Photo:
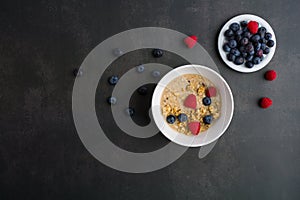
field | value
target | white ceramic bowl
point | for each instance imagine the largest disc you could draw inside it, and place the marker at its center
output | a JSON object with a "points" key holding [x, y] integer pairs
{"points": [[243, 68], [218, 127]]}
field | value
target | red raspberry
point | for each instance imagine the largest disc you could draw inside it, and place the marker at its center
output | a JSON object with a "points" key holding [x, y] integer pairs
{"points": [[211, 92], [253, 27], [194, 127], [270, 75], [190, 101], [191, 41], [265, 102]]}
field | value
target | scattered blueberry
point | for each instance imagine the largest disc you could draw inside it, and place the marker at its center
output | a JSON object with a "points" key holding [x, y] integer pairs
{"points": [[157, 53], [77, 72], [226, 48], [112, 100], [206, 101], [118, 52], [228, 33], [129, 111], [270, 43], [171, 119], [234, 27], [239, 60], [182, 117], [249, 64], [230, 57], [143, 90], [207, 119], [140, 68], [232, 43], [268, 36], [256, 60], [113, 80], [156, 73], [243, 23]]}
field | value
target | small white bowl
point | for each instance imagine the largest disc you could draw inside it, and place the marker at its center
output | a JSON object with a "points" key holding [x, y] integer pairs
{"points": [[218, 127], [243, 68]]}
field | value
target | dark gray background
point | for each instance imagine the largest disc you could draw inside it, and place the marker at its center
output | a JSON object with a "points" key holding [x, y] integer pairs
{"points": [[41, 156]]}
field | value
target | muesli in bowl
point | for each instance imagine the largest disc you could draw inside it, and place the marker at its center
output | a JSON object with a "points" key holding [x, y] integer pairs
{"points": [[190, 104]]}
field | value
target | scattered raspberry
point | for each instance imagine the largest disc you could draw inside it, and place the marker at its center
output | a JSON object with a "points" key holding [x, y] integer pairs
{"points": [[194, 127], [211, 92], [270, 75], [190, 101], [191, 41], [265, 102], [253, 27]]}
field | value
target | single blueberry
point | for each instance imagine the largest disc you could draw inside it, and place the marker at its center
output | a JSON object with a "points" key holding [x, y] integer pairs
{"points": [[112, 100], [206, 101], [207, 119], [156, 73], [232, 43], [259, 53], [243, 23], [113, 80], [228, 33], [129, 111], [226, 48], [244, 41], [140, 68], [256, 60], [235, 52], [230, 57], [247, 34], [182, 117], [239, 32], [249, 48], [255, 38], [249, 64], [157, 53], [239, 60], [268, 36], [270, 43], [267, 50], [263, 46], [252, 52], [171, 119], [142, 90], [234, 27], [257, 46], [118, 52], [262, 31]]}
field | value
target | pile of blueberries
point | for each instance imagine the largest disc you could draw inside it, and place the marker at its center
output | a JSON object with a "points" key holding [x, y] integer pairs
{"points": [[243, 47]]}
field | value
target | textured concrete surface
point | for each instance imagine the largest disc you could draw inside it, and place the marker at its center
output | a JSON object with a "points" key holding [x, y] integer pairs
{"points": [[41, 156]]}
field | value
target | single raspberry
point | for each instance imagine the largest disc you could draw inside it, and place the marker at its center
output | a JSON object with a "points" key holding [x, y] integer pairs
{"points": [[211, 92], [270, 75], [190, 101], [194, 127], [265, 102], [191, 41], [253, 27]]}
